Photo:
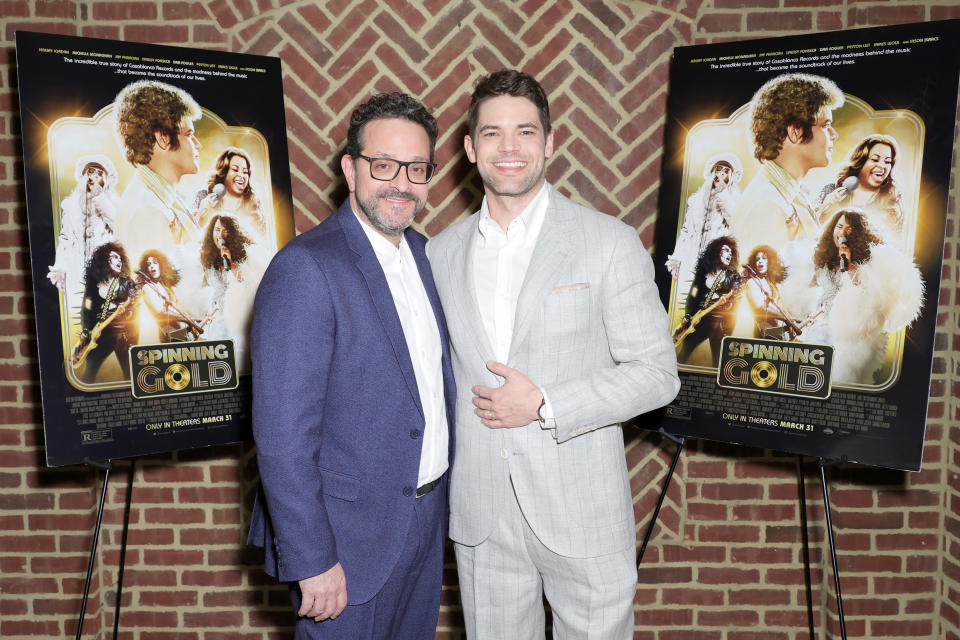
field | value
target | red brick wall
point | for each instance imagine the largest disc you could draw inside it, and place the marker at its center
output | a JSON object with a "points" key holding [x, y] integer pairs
{"points": [[725, 562]]}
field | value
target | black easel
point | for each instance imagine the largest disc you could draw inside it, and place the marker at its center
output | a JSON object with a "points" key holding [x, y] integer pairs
{"points": [[823, 464], [802, 493], [123, 549], [680, 441], [833, 548], [107, 467]]}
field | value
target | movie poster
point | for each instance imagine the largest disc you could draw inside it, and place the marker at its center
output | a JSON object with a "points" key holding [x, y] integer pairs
{"points": [[158, 189], [800, 238]]}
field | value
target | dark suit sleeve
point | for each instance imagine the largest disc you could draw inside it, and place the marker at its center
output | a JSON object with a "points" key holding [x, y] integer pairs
{"points": [[292, 344]]}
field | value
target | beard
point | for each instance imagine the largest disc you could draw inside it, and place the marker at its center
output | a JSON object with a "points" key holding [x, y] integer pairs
{"points": [[370, 207]]}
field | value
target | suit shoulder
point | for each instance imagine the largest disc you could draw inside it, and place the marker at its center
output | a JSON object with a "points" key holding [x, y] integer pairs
{"points": [[450, 235], [602, 223], [325, 236], [323, 243]]}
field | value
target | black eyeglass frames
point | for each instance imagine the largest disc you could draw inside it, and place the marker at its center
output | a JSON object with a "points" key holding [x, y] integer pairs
{"points": [[386, 169]]}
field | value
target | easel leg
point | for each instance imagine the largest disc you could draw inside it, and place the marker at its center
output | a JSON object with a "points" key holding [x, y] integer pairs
{"points": [[123, 549], [833, 547], [806, 544], [663, 494], [106, 466]]}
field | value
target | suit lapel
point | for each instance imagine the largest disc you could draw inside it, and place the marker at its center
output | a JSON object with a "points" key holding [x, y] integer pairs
{"points": [[380, 295], [416, 243], [466, 310], [549, 253]]}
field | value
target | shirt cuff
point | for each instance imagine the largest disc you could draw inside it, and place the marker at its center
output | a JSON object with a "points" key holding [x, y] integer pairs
{"points": [[547, 419]]}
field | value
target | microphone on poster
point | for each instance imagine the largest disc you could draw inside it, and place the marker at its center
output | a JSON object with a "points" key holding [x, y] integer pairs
{"points": [[848, 185]]}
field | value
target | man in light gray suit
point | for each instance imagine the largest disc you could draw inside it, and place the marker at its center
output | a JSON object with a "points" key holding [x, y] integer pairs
{"points": [[557, 329]]}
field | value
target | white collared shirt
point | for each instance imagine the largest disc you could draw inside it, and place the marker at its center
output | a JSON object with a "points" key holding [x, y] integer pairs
{"points": [[423, 344], [500, 262]]}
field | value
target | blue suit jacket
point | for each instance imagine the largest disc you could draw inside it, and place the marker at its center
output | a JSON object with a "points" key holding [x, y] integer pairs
{"points": [[336, 411]]}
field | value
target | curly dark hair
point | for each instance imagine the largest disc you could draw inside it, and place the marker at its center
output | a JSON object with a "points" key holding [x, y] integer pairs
{"points": [[98, 266], [145, 107], [384, 106], [791, 99], [218, 175], [861, 237], [887, 192], [508, 82], [236, 239], [709, 260], [776, 272], [169, 275]]}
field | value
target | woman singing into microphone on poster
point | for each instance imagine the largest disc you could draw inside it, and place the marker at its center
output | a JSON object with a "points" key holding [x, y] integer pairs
{"points": [[232, 268], [867, 180], [868, 290], [230, 190]]}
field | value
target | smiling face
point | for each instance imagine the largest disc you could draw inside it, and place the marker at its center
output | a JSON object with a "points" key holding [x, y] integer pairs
{"points": [[877, 167], [238, 176], [509, 147], [388, 205]]}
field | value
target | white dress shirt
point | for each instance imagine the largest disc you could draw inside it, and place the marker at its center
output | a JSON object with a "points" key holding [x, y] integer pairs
{"points": [[423, 344], [500, 262]]}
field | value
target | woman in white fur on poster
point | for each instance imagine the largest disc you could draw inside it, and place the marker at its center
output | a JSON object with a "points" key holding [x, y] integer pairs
{"points": [[867, 289]]}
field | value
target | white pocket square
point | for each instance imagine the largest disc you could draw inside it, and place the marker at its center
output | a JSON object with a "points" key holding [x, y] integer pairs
{"points": [[576, 286]]}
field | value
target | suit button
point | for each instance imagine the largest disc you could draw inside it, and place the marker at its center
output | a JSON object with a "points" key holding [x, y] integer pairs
{"points": [[504, 454], [407, 491], [414, 433]]}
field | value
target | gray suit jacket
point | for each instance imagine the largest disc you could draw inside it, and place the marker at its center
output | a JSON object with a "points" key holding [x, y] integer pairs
{"points": [[589, 329]]}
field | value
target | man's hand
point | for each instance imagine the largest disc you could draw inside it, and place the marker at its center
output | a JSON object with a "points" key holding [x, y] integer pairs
{"points": [[324, 595], [515, 404]]}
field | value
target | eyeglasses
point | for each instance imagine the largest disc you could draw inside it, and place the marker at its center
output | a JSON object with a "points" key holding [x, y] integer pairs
{"points": [[386, 169]]}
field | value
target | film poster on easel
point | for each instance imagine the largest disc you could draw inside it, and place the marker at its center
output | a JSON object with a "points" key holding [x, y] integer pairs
{"points": [[158, 189], [800, 238]]}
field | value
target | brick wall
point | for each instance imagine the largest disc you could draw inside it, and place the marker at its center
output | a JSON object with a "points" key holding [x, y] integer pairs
{"points": [[726, 560]]}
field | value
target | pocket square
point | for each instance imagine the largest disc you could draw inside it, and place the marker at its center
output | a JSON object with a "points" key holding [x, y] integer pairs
{"points": [[576, 286]]}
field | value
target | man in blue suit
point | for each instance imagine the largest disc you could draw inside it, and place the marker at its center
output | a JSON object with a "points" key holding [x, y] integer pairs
{"points": [[353, 397]]}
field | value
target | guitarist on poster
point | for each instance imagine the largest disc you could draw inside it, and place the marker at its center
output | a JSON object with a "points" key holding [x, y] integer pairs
{"points": [[156, 278], [712, 301], [107, 315]]}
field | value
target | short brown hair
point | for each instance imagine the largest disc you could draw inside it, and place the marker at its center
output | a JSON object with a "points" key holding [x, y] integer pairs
{"points": [[508, 82], [147, 106], [791, 99]]}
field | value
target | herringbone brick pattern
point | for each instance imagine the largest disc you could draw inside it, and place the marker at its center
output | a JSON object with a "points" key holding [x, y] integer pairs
{"points": [[725, 560]]}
